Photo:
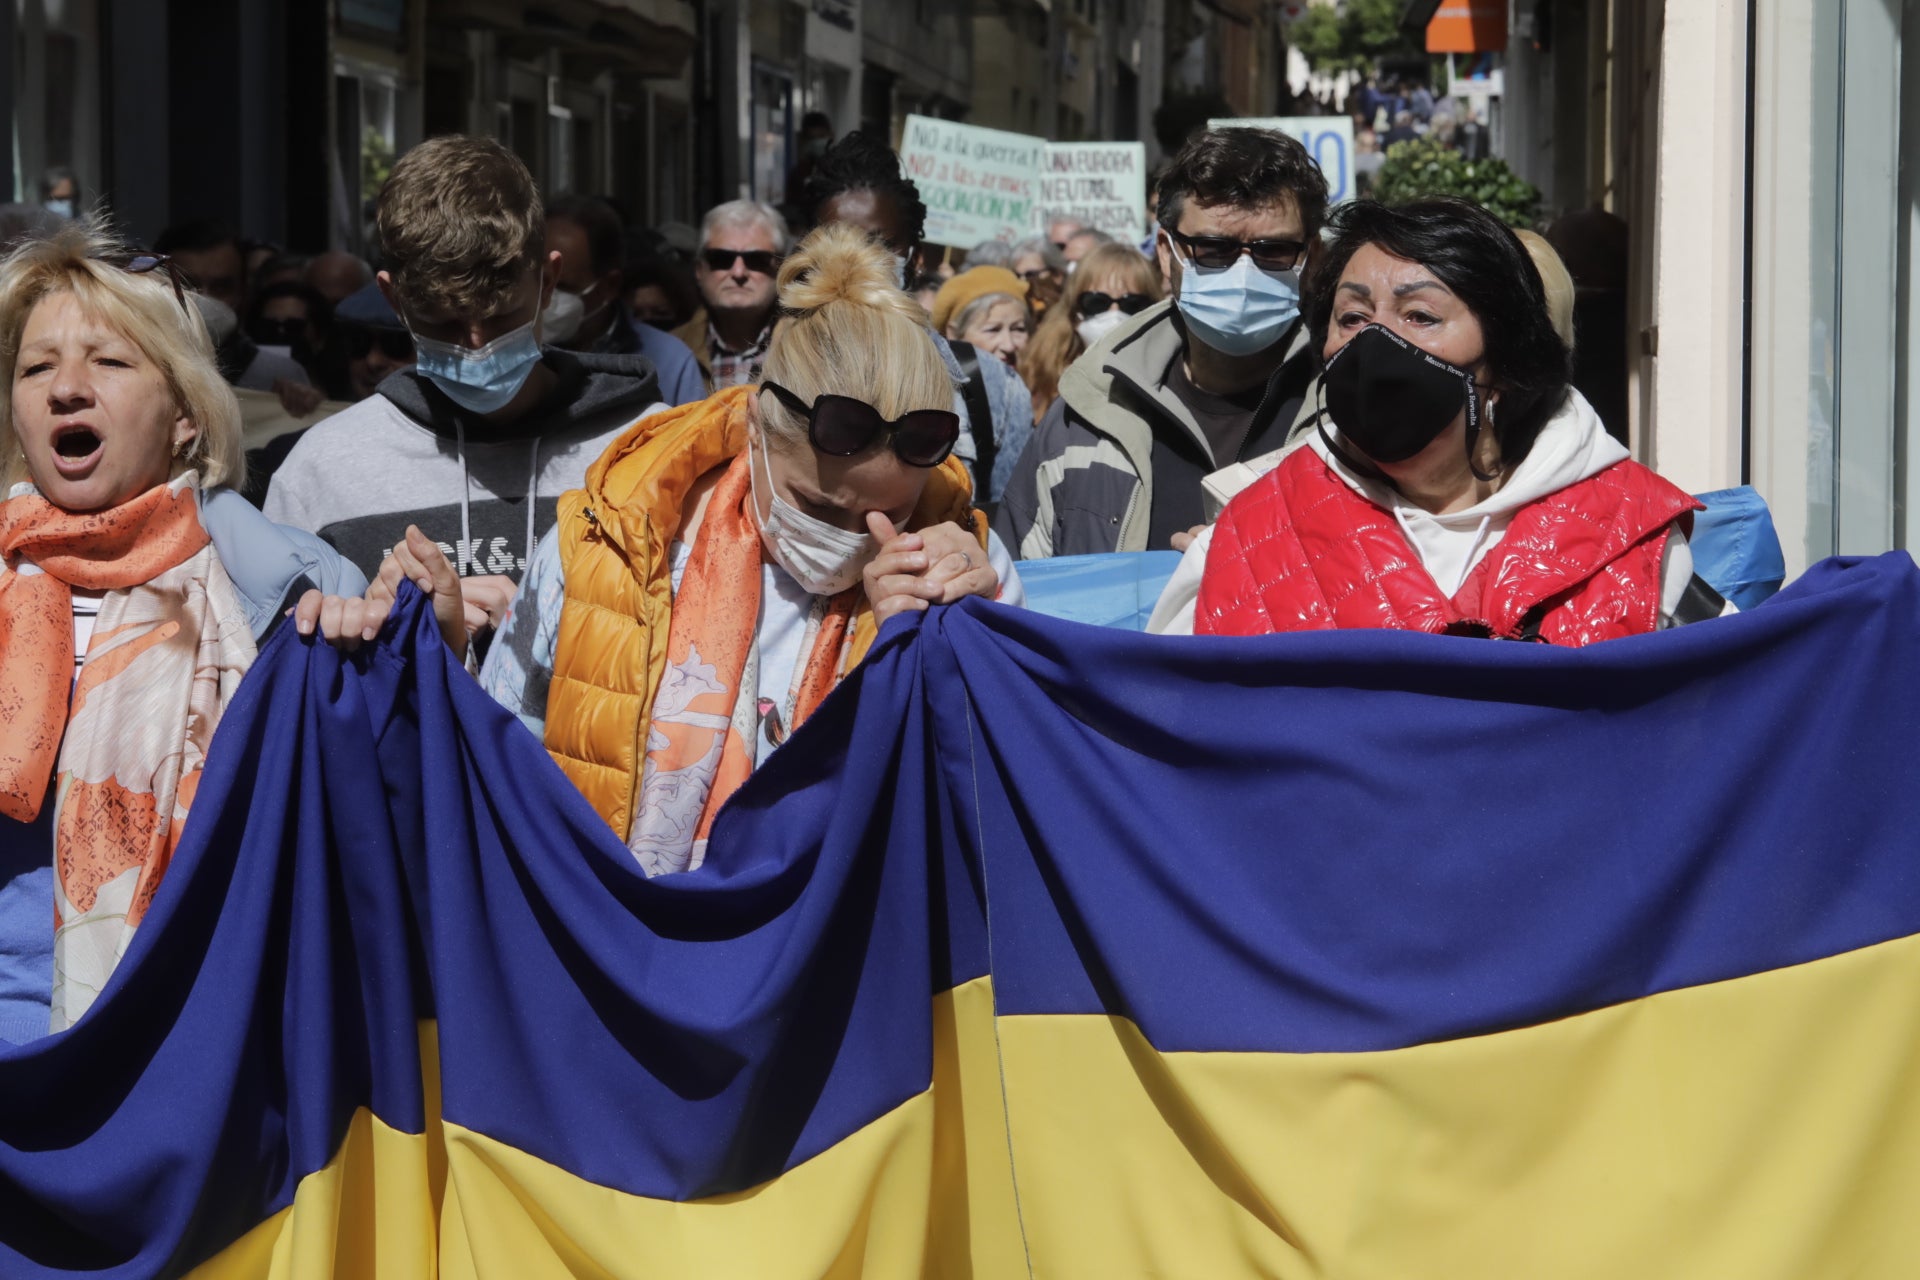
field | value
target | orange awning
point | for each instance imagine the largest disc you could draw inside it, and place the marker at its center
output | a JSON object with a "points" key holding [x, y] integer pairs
{"points": [[1468, 26]]}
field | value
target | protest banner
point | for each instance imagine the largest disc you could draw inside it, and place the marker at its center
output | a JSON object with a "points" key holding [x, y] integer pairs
{"points": [[1100, 184], [978, 184], [1328, 139]]}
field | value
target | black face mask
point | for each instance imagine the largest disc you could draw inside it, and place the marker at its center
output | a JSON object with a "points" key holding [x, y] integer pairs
{"points": [[1391, 399]]}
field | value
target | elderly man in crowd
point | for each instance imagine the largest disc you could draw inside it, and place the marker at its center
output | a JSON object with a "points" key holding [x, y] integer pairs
{"points": [[741, 245]]}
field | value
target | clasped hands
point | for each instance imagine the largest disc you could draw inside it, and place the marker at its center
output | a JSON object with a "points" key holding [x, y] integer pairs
{"points": [[461, 606]]}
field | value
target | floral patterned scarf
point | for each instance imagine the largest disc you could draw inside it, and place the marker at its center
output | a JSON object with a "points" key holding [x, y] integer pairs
{"points": [[124, 744], [701, 733]]}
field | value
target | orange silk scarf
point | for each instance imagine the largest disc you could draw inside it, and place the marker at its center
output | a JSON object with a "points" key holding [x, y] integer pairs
{"points": [[700, 736], [48, 552]]}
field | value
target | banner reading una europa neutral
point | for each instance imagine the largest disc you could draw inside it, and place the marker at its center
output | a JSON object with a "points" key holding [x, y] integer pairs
{"points": [[1102, 185]]}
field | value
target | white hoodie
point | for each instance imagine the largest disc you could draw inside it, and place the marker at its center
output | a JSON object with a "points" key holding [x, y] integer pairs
{"points": [[1571, 447]]}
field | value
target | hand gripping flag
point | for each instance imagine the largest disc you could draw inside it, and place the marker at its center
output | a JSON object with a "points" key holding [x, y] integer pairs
{"points": [[1043, 951]]}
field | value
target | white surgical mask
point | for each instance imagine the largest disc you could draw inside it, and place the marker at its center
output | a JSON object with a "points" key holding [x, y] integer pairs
{"points": [[1240, 309], [563, 316], [824, 559], [62, 206], [484, 379], [1094, 328], [900, 271]]}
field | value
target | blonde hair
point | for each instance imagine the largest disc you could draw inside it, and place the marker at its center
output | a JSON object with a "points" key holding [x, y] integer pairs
{"points": [[82, 259], [1558, 284], [460, 224], [846, 329], [1056, 343]]}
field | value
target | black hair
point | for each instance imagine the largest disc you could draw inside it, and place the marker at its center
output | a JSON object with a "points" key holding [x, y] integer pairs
{"points": [[862, 161], [198, 235], [1479, 258], [671, 276], [1247, 168], [319, 313], [606, 237], [816, 120]]}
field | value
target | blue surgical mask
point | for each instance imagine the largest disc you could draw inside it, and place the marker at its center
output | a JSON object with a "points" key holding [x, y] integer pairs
{"points": [[1238, 310], [62, 207], [480, 380]]}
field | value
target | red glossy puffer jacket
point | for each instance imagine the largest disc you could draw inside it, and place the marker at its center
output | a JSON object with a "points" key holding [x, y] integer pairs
{"points": [[1301, 551]]}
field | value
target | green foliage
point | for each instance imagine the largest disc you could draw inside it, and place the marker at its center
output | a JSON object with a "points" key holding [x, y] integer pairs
{"points": [[1425, 168], [1352, 35], [376, 162]]}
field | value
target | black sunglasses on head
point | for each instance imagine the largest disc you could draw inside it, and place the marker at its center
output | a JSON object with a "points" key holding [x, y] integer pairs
{"points": [[1094, 304], [842, 426], [139, 264], [1219, 251], [759, 261]]}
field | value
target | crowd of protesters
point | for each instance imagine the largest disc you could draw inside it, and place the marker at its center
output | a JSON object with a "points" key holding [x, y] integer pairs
{"points": [[662, 495]]}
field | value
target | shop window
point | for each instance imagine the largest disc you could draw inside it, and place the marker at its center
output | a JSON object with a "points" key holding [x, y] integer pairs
{"points": [[1833, 439]]}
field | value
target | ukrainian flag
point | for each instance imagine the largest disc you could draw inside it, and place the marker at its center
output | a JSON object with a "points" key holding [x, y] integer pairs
{"points": [[1040, 951]]}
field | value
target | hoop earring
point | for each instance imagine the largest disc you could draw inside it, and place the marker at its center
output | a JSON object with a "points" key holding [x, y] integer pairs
{"points": [[1488, 433]]}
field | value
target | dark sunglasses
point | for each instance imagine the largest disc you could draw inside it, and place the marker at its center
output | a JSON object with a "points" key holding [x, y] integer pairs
{"points": [[1036, 275], [842, 426], [1094, 304], [394, 344], [1218, 251], [139, 264], [759, 261]]}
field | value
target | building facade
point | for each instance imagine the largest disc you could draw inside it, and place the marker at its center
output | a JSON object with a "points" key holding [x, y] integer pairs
{"points": [[1766, 157]]}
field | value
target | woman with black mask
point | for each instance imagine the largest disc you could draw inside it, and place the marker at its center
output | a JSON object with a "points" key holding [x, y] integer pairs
{"points": [[1455, 483]]}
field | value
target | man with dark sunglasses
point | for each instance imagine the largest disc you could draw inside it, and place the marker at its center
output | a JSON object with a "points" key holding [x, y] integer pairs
{"points": [[1218, 374], [741, 245]]}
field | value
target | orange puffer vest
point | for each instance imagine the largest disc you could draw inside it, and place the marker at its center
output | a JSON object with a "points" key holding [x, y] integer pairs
{"points": [[615, 536], [1301, 551]]}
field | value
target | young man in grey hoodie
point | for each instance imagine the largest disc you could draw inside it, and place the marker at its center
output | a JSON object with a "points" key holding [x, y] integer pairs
{"points": [[477, 441]]}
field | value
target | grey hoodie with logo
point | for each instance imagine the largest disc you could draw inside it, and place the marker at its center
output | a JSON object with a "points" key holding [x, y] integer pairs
{"points": [[485, 493]]}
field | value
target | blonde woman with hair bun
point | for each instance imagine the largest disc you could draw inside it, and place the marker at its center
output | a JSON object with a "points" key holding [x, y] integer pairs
{"points": [[728, 562], [136, 586]]}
